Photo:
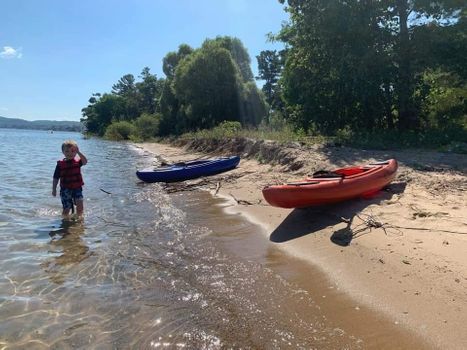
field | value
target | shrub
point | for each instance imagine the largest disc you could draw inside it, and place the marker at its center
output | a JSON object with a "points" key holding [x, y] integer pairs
{"points": [[445, 103], [147, 125], [344, 135], [227, 129], [118, 131], [277, 121]]}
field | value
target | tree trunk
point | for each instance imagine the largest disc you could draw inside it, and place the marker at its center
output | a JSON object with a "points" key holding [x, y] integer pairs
{"points": [[407, 116], [388, 106]]}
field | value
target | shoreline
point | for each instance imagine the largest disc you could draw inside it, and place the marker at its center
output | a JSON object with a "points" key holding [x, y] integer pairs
{"points": [[413, 269]]}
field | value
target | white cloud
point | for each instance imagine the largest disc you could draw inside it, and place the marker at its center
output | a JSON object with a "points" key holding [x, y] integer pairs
{"points": [[9, 52]]}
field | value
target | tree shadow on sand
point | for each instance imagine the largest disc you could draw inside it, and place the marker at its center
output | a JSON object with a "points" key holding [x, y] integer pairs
{"points": [[421, 160], [302, 222]]}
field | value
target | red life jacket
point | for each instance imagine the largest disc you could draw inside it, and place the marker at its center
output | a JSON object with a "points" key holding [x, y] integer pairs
{"points": [[70, 173]]}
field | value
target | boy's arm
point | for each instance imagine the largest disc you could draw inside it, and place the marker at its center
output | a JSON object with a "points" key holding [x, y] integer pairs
{"points": [[55, 180], [54, 187], [83, 158]]}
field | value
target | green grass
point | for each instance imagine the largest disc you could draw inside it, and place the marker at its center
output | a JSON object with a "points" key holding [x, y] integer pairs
{"points": [[283, 136], [453, 140]]}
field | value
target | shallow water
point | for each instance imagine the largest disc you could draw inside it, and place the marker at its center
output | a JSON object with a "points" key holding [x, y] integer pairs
{"points": [[147, 269]]}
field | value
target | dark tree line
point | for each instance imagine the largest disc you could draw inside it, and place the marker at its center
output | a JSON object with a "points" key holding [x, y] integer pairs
{"points": [[127, 101], [373, 65], [347, 65], [202, 88]]}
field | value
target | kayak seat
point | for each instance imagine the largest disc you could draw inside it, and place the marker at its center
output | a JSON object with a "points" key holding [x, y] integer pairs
{"points": [[351, 171], [326, 174]]}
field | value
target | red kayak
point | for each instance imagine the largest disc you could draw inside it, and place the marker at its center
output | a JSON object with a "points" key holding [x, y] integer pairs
{"points": [[326, 187]]}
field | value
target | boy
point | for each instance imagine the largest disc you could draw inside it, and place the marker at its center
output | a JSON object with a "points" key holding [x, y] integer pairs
{"points": [[68, 171]]}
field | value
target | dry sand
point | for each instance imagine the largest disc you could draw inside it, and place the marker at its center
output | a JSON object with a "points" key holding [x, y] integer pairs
{"points": [[403, 253]]}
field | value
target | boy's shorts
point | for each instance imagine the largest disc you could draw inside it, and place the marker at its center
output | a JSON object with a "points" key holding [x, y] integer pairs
{"points": [[70, 196]]}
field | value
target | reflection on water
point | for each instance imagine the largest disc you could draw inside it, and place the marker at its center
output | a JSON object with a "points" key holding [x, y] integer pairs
{"points": [[66, 247]]}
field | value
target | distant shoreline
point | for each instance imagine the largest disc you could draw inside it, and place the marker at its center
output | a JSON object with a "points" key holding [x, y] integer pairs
{"points": [[45, 130], [54, 125]]}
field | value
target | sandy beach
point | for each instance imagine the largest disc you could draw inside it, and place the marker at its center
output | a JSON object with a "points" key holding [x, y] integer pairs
{"points": [[402, 253]]}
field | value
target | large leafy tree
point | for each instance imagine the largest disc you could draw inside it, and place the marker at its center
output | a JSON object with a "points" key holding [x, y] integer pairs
{"points": [[208, 86], [442, 91], [441, 47], [238, 52], [169, 104], [171, 60], [333, 49], [355, 62], [403, 17]]}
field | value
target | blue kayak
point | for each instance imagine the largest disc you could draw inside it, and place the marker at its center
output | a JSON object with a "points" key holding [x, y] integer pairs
{"points": [[188, 170]]}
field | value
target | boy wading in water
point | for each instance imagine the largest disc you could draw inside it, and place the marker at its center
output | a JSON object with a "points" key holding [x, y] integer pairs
{"points": [[68, 171]]}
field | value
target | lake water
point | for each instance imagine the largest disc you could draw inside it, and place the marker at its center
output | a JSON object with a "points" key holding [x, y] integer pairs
{"points": [[146, 269]]}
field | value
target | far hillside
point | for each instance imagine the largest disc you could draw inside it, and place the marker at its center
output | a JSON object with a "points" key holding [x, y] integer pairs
{"points": [[56, 125]]}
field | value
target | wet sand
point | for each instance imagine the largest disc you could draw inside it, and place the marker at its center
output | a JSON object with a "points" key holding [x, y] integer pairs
{"points": [[411, 270]]}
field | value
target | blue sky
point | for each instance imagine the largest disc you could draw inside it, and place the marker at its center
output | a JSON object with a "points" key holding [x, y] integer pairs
{"points": [[55, 53]]}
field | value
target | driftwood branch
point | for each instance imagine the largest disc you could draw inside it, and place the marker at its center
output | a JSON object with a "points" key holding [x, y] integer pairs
{"points": [[241, 201], [371, 222], [209, 181]]}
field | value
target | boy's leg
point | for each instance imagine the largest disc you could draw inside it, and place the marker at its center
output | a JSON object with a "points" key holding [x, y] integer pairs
{"points": [[79, 207], [67, 201], [78, 197]]}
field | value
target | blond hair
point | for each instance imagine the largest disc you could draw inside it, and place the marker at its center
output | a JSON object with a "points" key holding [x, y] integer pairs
{"points": [[68, 143]]}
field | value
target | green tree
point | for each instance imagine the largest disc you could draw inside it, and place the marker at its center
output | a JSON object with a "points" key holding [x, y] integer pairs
{"points": [[149, 92], [171, 60], [126, 89], [169, 104], [332, 75], [438, 46], [445, 102], [203, 87], [254, 105], [208, 86], [403, 18], [238, 52], [125, 86], [355, 63], [101, 111], [270, 64]]}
